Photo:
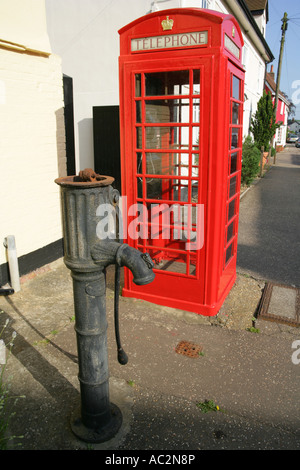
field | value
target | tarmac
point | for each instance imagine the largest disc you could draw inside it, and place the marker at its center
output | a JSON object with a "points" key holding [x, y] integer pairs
{"points": [[250, 374]]}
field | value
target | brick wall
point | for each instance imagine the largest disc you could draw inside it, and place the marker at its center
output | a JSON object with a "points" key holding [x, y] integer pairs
{"points": [[32, 149]]}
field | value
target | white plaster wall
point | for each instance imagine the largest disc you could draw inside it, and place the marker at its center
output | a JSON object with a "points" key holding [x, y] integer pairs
{"points": [[254, 82], [32, 145], [23, 22]]}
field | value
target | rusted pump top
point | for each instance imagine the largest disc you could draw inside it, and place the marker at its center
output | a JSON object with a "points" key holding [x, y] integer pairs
{"points": [[86, 178]]}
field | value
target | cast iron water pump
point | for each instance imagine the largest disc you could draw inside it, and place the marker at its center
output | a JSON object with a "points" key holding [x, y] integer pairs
{"points": [[87, 256]]}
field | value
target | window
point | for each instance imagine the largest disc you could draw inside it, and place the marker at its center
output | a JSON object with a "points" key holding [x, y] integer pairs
{"points": [[205, 3], [279, 135], [234, 168]]}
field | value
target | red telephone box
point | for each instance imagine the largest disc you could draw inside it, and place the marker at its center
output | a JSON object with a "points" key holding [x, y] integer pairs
{"points": [[181, 113]]}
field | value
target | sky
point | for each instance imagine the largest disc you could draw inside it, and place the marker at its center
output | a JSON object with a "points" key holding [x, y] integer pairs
{"points": [[290, 71]]}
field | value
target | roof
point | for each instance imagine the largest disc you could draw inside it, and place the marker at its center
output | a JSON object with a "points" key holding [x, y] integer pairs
{"points": [[270, 80], [258, 6], [272, 85]]}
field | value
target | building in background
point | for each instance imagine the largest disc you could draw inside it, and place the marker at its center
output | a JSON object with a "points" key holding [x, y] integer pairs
{"points": [[282, 110], [86, 37], [294, 126]]}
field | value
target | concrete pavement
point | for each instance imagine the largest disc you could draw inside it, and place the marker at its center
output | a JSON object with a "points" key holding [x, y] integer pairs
{"points": [[269, 228], [252, 377]]}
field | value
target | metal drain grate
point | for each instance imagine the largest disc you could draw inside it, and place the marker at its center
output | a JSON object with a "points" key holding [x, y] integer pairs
{"points": [[188, 349], [280, 304]]}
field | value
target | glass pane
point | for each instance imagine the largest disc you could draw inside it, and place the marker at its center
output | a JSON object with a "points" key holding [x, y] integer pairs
{"points": [[181, 138], [233, 162], [189, 235], [235, 88], [192, 268], [196, 138], [180, 192], [232, 186], [164, 163], [231, 209], [195, 164], [176, 111], [230, 231], [153, 163], [235, 113], [139, 137], [234, 138], [167, 189], [138, 112], [154, 188], [196, 110], [158, 230], [167, 137], [195, 191], [167, 83], [137, 84], [229, 253], [140, 187], [174, 264], [196, 82], [182, 165], [158, 137], [139, 159], [190, 218]]}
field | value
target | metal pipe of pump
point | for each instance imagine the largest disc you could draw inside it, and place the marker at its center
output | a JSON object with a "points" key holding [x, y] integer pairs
{"points": [[96, 420]]}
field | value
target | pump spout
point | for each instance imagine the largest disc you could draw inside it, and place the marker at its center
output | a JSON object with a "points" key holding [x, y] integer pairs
{"points": [[140, 264], [111, 252]]}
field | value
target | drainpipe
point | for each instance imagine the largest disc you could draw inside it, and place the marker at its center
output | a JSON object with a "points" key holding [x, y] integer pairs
{"points": [[10, 245]]}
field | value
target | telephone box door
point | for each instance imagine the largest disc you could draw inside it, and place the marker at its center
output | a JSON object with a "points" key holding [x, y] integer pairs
{"points": [[166, 138]]}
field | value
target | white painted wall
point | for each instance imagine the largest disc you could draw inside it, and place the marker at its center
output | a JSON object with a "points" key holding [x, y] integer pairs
{"points": [[254, 82], [32, 138], [24, 23]]}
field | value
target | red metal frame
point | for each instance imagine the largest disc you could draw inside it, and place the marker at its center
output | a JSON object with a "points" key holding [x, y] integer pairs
{"points": [[158, 99]]}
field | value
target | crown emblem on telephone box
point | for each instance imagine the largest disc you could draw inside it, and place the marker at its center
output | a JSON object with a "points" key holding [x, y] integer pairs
{"points": [[167, 24]]}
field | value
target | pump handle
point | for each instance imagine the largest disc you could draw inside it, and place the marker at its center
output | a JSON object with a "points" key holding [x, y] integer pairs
{"points": [[122, 356]]}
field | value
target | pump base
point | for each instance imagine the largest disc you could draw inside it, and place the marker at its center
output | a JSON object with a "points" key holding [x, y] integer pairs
{"points": [[102, 434]]}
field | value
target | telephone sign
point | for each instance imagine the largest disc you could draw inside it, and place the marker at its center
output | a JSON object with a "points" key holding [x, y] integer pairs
{"points": [[169, 41]]}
